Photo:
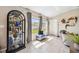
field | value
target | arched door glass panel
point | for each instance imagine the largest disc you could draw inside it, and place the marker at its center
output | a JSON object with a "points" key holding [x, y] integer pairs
{"points": [[15, 30]]}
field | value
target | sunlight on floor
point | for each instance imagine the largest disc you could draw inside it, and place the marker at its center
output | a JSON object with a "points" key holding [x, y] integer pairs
{"points": [[38, 44]]}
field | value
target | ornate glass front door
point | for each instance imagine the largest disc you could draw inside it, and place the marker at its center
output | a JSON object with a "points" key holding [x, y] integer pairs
{"points": [[15, 30]]}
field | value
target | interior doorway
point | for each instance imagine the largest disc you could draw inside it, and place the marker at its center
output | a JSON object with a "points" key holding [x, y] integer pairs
{"points": [[55, 27]]}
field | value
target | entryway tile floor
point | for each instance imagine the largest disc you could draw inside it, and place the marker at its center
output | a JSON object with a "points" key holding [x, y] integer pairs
{"points": [[51, 45]]}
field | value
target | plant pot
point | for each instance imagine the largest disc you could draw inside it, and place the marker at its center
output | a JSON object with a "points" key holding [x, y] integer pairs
{"points": [[68, 43], [76, 46]]}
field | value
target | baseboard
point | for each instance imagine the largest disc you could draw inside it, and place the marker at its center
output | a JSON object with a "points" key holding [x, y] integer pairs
{"points": [[18, 49]]}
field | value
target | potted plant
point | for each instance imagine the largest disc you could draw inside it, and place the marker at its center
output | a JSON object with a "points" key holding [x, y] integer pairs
{"points": [[76, 42], [75, 39], [66, 38]]}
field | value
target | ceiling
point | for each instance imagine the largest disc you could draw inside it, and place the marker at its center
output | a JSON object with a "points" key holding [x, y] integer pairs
{"points": [[51, 11]]}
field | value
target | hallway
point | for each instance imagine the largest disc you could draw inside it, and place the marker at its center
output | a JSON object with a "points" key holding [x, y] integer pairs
{"points": [[52, 45]]}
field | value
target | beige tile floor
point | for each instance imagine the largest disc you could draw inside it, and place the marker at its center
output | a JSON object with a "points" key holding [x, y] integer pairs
{"points": [[52, 45]]}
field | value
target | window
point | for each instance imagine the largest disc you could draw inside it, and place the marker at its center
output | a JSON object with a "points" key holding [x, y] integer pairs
{"points": [[35, 27], [45, 26]]}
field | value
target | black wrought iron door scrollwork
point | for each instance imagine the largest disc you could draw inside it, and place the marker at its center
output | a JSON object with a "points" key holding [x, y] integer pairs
{"points": [[15, 30]]}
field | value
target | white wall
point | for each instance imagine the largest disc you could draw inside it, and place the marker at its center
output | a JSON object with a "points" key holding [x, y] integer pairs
{"points": [[66, 15], [3, 22], [75, 28]]}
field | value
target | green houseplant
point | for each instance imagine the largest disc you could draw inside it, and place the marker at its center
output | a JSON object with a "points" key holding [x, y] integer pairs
{"points": [[75, 39]]}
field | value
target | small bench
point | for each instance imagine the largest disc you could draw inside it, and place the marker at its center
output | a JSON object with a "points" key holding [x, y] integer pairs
{"points": [[40, 36]]}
